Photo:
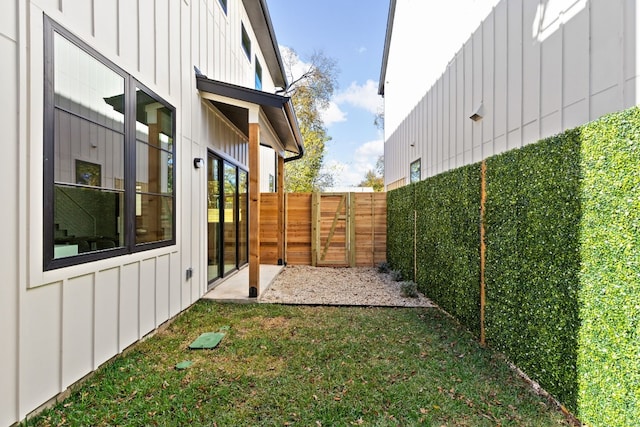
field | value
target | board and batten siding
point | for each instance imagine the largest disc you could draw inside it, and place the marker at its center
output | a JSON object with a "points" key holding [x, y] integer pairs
{"points": [[534, 77], [59, 325], [268, 169], [11, 120]]}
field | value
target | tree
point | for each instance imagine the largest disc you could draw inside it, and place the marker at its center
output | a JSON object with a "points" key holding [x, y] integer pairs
{"points": [[378, 121], [375, 178], [310, 90]]}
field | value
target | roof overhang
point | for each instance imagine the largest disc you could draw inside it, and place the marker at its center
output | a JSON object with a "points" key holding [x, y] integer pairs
{"points": [[387, 44], [234, 101], [263, 28]]}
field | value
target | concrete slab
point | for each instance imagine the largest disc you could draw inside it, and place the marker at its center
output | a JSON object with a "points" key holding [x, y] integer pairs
{"points": [[236, 288]]}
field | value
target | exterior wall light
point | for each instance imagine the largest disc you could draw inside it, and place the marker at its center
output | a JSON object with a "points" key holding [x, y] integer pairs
{"points": [[478, 113], [197, 162]]}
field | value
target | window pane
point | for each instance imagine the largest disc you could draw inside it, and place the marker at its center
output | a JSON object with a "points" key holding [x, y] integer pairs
{"points": [[258, 75], [223, 3], [155, 222], [230, 237], [154, 170], [246, 42], [214, 225], [76, 140], [86, 87], [86, 220], [243, 217], [415, 172]]}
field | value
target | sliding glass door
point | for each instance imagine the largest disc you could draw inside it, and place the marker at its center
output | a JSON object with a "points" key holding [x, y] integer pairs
{"points": [[230, 215], [243, 217], [227, 217], [214, 223]]}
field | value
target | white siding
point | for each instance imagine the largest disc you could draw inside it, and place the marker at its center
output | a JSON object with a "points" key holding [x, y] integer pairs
{"points": [[267, 168], [533, 78], [40, 372], [60, 325], [77, 330], [106, 298], [9, 293]]}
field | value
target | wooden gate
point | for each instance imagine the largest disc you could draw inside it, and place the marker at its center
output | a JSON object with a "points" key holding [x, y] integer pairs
{"points": [[333, 230]]}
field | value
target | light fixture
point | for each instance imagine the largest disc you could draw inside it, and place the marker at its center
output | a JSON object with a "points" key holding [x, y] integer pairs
{"points": [[413, 144], [197, 162], [478, 113]]}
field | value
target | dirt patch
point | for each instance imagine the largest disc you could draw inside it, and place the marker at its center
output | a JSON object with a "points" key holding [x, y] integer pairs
{"points": [[300, 284]]}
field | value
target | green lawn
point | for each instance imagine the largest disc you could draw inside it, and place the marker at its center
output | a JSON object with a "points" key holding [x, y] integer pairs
{"points": [[307, 366]]}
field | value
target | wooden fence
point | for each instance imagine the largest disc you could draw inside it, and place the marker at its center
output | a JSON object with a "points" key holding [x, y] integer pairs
{"points": [[326, 229]]}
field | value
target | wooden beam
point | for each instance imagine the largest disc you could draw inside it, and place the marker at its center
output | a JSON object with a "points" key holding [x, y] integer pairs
{"points": [[315, 228], [483, 249], [351, 209], [254, 210], [415, 246], [281, 213]]}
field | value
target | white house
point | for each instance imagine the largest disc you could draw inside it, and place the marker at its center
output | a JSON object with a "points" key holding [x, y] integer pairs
{"points": [[131, 176], [530, 70]]}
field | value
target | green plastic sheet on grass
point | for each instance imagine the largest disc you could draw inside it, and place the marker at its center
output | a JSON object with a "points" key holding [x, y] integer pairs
{"points": [[208, 340], [184, 365]]}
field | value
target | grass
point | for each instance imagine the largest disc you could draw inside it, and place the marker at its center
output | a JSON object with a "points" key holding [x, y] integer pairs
{"points": [[306, 366]]}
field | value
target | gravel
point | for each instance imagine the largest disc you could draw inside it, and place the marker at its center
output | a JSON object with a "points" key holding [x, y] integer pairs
{"points": [[301, 284]]}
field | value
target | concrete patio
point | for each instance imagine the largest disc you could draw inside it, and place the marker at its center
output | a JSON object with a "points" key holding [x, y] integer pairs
{"points": [[236, 287]]}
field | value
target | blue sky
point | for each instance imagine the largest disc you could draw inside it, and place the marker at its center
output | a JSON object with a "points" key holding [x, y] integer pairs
{"points": [[351, 32]]}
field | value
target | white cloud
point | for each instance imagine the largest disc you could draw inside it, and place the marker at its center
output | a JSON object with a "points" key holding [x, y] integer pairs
{"points": [[362, 50], [362, 96], [333, 114], [351, 172], [371, 149]]}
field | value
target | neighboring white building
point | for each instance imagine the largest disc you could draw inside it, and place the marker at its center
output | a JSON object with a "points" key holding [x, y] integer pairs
{"points": [[132, 134], [348, 190], [530, 70]]}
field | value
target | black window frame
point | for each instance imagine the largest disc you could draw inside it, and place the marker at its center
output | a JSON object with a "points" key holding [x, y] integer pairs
{"points": [[258, 74], [131, 86], [245, 41], [413, 179]]}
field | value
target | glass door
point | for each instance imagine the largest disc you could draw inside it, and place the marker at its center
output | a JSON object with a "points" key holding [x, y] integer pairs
{"points": [[227, 217], [230, 237], [214, 216], [243, 217]]}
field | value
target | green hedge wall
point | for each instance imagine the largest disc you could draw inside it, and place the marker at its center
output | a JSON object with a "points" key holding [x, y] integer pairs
{"points": [[448, 243], [562, 269], [400, 230], [609, 340], [533, 260], [448, 240]]}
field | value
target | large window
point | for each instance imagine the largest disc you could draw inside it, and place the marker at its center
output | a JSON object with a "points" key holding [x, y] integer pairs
{"points": [[109, 158]]}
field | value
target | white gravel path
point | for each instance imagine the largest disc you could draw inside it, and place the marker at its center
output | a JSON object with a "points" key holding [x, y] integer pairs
{"points": [[300, 284]]}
